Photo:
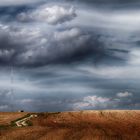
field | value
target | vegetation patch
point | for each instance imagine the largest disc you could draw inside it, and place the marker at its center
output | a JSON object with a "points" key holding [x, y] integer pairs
{"points": [[47, 114], [29, 123], [13, 123], [3, 127]]}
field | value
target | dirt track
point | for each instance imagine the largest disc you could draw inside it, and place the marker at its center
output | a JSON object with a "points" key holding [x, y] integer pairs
{"points": [[23, 122]]}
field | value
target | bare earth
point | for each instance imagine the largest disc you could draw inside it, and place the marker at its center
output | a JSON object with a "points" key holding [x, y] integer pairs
{"points": [[82, 125]]}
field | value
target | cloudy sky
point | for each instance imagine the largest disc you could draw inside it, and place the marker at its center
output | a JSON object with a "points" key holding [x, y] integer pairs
{"points": [[58, 55]]}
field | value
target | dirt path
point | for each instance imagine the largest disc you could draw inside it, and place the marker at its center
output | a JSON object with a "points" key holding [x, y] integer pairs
{"points": [[23, 122]]}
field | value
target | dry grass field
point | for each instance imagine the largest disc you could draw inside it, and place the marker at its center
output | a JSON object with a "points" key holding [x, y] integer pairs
{"points": [[7, 117], [82, 125]]}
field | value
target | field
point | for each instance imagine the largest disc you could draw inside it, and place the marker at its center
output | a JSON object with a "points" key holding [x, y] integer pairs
{"points": [[82, 125], [7, 117]]}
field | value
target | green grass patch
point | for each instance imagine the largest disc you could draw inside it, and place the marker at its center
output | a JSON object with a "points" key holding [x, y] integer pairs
{"points": [[4, 127]]}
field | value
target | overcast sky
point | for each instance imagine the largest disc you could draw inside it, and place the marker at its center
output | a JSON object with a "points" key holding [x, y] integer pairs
{"points": [[58, 55]]}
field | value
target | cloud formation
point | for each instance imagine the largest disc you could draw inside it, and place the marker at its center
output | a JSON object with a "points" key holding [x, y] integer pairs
{"points": [[67, 34], [98, 102], [92, 101], [50, 14], [84, 52], [124, 94], [31, 46]]}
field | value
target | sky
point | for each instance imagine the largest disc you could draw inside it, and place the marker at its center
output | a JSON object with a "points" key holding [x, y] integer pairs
{"points": [[65, 55]]}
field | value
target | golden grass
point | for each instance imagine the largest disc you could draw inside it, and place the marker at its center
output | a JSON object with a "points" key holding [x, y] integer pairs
{"points": [[7, 117], [83, 125]]}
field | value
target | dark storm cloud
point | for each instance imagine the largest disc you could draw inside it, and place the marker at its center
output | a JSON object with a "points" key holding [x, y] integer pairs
{"points": [[9, 13], [30, 46], [74, 55], [65, 46]]}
